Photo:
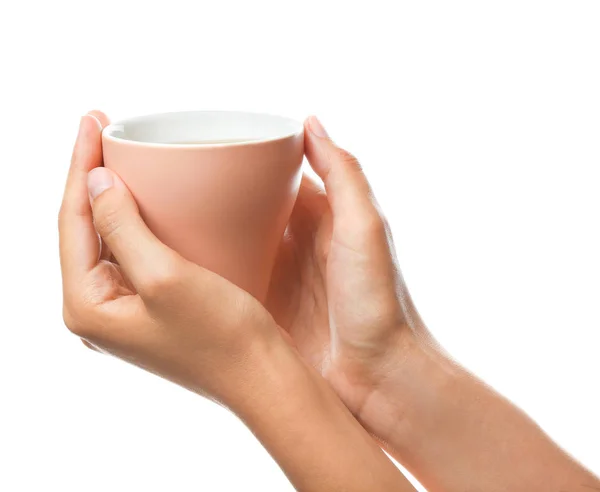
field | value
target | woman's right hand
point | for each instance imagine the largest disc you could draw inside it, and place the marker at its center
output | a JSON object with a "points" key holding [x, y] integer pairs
{"points": [[151, 306]]}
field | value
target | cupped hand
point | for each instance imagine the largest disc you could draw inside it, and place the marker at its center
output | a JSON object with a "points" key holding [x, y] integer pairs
{"points": [[336, 287], [150, 306]]}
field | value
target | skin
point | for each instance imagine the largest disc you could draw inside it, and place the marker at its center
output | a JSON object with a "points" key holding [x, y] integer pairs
{"points": [[152, 308], [338, 291]]}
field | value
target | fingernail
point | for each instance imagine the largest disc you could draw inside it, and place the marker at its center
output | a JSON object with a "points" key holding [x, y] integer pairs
{"points": [[316, 127], [99, 179], [96, 120]]}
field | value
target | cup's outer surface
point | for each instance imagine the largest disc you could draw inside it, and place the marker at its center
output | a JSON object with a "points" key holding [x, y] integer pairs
{"points": [[224, 207]]}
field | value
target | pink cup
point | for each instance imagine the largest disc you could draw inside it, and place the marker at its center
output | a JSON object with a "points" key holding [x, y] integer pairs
{"points": [[216, 186]]}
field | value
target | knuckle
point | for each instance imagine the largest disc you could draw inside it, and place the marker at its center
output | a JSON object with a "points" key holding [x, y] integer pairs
{"points": [[162, 282], [77, 321], [71, 207], [106, 220], [374, 224], [347, 158], [64, 212]]}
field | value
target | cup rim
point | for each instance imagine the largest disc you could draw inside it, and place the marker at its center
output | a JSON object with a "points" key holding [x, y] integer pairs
{"points": [[109, 131]]}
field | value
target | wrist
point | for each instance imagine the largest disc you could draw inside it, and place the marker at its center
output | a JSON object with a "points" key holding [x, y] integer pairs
{"points": [[307, 429], [269, 369], [410, 391]]}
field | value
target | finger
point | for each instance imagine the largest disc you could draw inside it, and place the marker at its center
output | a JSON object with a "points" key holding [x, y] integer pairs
{"points": [[105, 253], [117, 219], [348, 190], [90, 346], [309, 188], [311, 198], [79, 243], [101, 117]]}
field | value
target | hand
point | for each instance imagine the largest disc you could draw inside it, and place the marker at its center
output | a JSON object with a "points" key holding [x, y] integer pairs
{"points": [[336, 287], [150, 307], [338, 291]]}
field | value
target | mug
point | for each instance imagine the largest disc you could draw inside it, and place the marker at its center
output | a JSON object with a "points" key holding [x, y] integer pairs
{"points": [[216, 186]]}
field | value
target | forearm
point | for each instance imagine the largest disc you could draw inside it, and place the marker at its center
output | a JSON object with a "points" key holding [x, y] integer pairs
{"points": [[454, 433], [310, 433]]}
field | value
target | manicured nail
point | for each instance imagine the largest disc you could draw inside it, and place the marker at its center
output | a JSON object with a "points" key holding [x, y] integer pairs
{"points": [[316, 127], [99, 179]]}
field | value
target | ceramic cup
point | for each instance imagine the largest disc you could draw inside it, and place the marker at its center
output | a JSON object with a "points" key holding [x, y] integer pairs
{"points": [[216, 186]]}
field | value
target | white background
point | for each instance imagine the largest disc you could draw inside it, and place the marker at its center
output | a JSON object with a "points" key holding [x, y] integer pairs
{"points": [[478, 124]]}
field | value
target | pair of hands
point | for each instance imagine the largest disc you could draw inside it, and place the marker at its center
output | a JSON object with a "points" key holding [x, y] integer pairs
{"points": [[336, 298], [337, 303]]}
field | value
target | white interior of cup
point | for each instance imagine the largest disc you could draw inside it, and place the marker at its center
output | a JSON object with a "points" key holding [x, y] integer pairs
{"points": [[203, 128]]}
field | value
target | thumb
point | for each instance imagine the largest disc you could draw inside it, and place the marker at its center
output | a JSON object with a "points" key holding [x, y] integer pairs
{"points": [[117, 219], [348, 190]]}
